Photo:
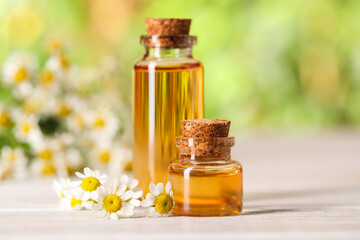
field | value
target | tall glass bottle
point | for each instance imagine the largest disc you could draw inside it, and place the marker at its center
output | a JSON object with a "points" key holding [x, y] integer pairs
{"points": [[168, 87]]}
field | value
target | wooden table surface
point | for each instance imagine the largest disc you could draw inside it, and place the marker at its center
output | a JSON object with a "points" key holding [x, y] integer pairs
{"points": [[295, 187]]}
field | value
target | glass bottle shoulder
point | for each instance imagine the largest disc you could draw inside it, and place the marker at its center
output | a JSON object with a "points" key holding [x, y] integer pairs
{"points": [[211, 168]]}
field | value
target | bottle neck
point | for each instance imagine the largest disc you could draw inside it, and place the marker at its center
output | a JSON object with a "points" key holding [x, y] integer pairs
{"points": [[205, 155], [158, 52]]}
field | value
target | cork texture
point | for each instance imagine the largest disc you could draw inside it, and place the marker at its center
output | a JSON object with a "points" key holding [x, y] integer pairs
{"points": [[167, 26], [199, 128]]}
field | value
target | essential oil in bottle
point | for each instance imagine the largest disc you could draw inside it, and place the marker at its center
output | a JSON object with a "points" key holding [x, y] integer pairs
{"points": [[167, 88], [205, 180]]}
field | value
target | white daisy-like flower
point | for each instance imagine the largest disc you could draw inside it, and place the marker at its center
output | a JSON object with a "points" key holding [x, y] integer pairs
{"points": [[49, 80], [5, 118], [62, 187], [87, 188], [115, 201], [19, 68], [26, 128], [58, 63], [158, 203], [69, 202], [36, 102], [104, 153], [16, 159], [131, 184], [102, 123]]}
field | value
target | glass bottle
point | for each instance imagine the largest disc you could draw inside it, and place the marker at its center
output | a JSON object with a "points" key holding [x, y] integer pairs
{"points": [[167, 88], [205, 180]]}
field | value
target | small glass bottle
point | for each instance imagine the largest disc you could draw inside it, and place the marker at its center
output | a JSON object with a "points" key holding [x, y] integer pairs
{"points": [[168, 87], [205, 180]]}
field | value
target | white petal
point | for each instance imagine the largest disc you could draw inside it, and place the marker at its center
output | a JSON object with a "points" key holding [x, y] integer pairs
{"points": [[153, 189], [135, 202], [160, 187], [121, 190], [124, 179], [168, 188], [101, 193], [94, 195], [150, 197], [138, 194], [75, 183], [102, 213], [114, 186], [147, 203], [133, 183], [127, 195], [113, 216], [87, 172], [149, 211], [80, 175], [86, 196], [96, 207]]}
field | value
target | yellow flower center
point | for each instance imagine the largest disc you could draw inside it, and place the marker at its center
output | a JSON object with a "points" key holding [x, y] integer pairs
{"points": [[112, 203], [46, 77], [26, 127], [21, 75], [64, 110], [99, 123], [64, 62], [12, 157], [55, 46], [128, 166], [4, 119], [90, 184], [48, 170], [104, 157], [74, 202], [164, 203], [46, 154]]}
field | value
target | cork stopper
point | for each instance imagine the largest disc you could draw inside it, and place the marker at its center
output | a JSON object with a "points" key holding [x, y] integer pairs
{"points": [[167, 26], [205, 128]]}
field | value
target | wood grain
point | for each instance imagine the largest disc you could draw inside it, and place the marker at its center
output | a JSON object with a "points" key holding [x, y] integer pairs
{"points": [[295, 187]]}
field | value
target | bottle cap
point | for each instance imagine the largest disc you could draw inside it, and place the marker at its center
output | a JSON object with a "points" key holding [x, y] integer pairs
{"points": [[205, 128], [167, 26]]}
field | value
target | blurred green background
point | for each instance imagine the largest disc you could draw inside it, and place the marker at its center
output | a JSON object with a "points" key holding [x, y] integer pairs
{"points": [[271, 64]]}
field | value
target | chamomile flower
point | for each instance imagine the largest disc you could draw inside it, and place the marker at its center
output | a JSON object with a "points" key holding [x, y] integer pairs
{"points": [[62, 187], [115, 201], [69, 202], [15, 158], [104, 153], [5, 118], [19, 68], [36, 102], [87, 188], [103, 123], [49, 80], [58, 63], [158, 203], [26, 127], [131, 184]]}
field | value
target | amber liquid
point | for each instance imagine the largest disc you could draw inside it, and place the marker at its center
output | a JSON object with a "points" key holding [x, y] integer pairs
{"points": [[163, 95], [206, 191]]}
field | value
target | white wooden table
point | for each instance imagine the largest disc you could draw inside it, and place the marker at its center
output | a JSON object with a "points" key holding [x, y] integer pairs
{"points": [[295, 187]]}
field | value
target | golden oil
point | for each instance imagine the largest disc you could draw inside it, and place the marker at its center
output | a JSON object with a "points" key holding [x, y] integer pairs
{"points": [[167, 88]]}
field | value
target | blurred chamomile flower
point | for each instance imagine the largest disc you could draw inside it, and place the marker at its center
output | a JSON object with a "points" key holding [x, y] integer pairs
{"points": [[16, 160], [62, 187], [5, 118], [26, 127], [19, 68], [158, 203], [87, 188], [103, 123], [115, 201], [58, 63]]}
